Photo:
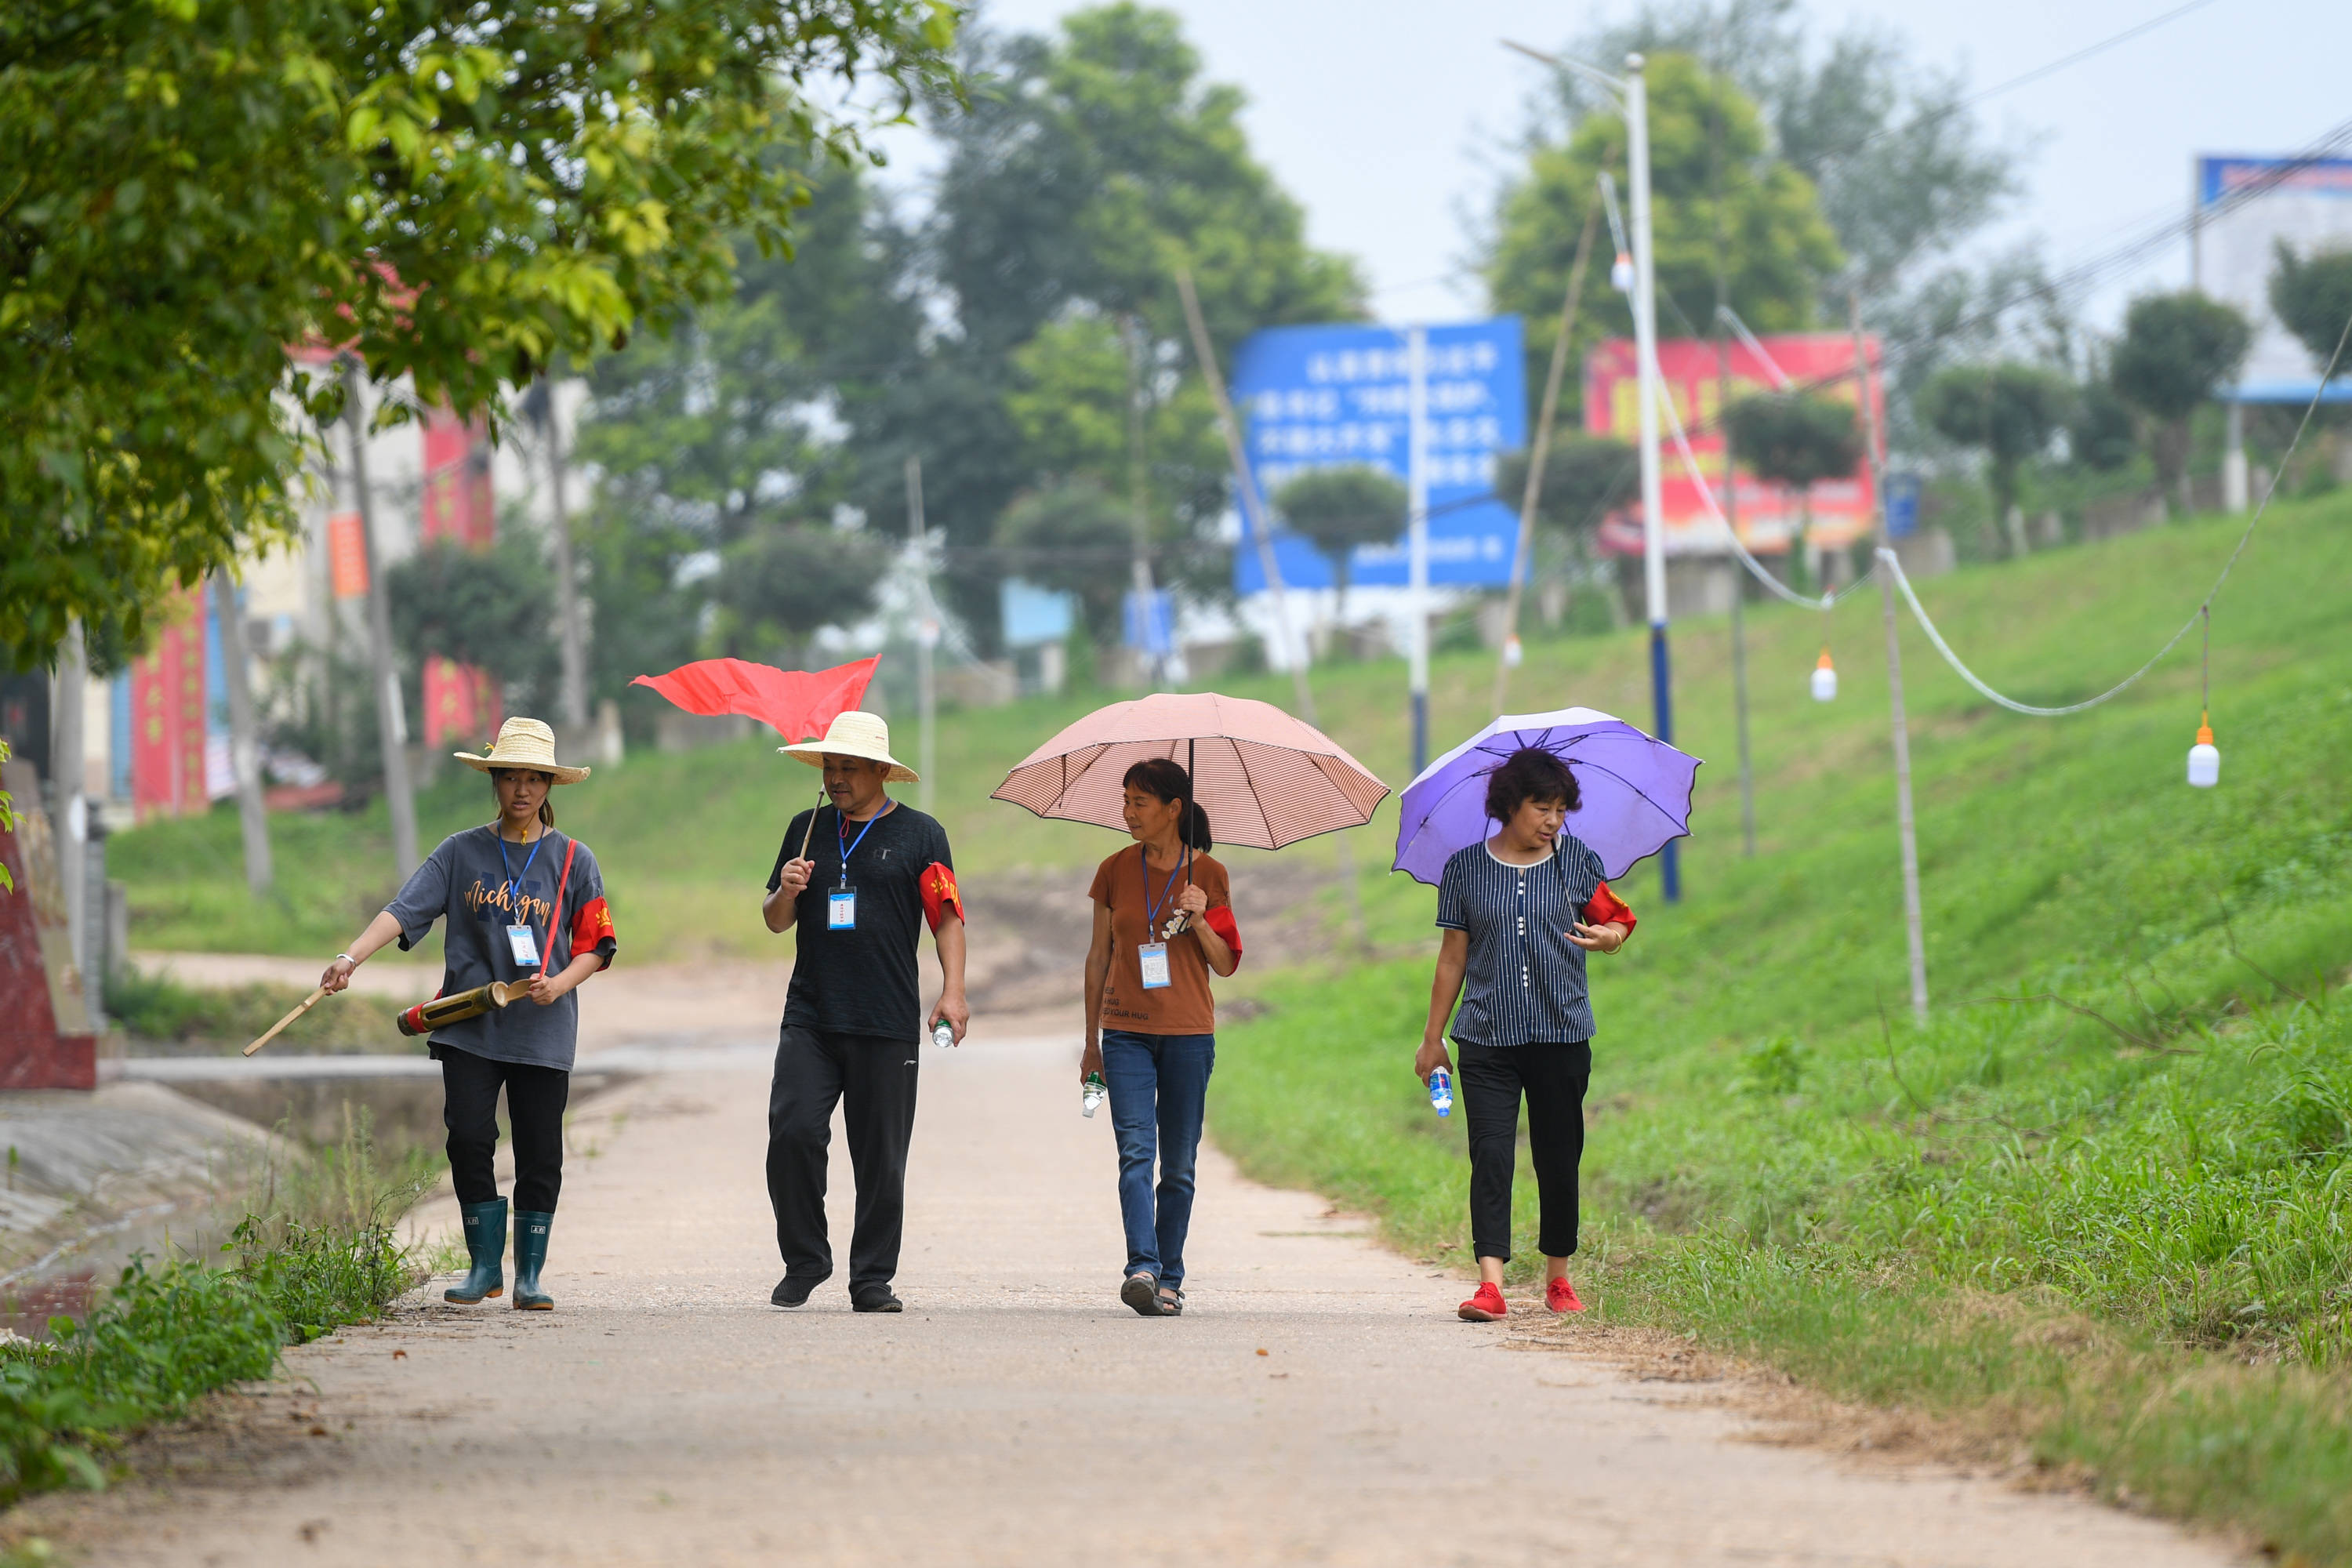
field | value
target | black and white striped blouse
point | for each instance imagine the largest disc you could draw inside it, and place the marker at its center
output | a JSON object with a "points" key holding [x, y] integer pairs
{"points": [[1525, 980]]}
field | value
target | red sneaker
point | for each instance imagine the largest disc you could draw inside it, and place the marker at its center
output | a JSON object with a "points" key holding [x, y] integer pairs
{"points": [[1560, 1296], [1483, 1307]]}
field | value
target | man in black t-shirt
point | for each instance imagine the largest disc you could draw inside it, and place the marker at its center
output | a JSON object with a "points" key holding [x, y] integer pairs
{"points": [[854, 876]]}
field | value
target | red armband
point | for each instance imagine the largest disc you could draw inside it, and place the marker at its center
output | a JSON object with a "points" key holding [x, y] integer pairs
{"points": [[1605, 908], [939, 895], [1221, 920], [593, 928]]}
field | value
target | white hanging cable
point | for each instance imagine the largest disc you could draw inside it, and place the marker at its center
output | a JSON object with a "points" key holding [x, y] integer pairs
{"points": [[1781, 382], [2204, 607], [1760, 572]]}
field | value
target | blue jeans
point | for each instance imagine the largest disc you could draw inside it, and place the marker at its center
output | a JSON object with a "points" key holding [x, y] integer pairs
{"points": [[1159, 1088]]}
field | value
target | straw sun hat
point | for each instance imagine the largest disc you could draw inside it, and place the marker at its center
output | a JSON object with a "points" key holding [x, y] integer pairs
{"points": [[855, 734], [524, 743]]}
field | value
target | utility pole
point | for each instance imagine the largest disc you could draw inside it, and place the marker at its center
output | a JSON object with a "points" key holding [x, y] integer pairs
{"points": [[1538, 453], [243, 745], [69, 813], [927, 637], [1416, 353], [1138, 487], [1254, 518], [1903, 817], [1730, 476], [391, 718], [1645, 350], [567, 581]]}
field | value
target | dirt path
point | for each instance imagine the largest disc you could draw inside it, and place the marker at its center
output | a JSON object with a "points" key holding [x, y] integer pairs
{"points": [[1318, 1404]]}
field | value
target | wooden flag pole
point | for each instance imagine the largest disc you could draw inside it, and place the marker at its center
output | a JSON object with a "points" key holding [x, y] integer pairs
{"points": [[308, 1003]]}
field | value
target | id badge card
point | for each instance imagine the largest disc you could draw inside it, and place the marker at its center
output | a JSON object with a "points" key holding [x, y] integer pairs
{"points": [[841, 910], [1154, 957], [524, 946]]}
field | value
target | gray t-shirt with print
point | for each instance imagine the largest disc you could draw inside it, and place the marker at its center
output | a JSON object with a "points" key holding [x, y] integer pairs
{"points": [[480, 891]]}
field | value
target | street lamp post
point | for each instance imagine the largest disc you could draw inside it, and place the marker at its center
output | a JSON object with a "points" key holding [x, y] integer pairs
{"points": [[1633, 92]]}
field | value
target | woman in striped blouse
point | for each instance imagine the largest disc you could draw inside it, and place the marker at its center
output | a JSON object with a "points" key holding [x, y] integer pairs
{"points": [[1519, 911]]}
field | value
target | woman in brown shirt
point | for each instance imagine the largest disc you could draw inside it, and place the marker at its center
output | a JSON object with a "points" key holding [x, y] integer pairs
{"points": [[1163, 921]]}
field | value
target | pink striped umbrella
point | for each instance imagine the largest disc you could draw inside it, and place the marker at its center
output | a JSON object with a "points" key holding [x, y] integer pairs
{"points": [[1265, 778]]}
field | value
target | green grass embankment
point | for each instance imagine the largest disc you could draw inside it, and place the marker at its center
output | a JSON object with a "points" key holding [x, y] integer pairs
{"points": [[2102, 1201]]}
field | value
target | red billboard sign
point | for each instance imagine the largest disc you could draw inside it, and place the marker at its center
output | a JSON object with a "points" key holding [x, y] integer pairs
{"points": [[1769, 516]]}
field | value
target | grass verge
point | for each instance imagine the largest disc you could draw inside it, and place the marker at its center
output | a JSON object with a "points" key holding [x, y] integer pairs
{"points": [[167, 1017], [2099, 1205], [317, 1250]]}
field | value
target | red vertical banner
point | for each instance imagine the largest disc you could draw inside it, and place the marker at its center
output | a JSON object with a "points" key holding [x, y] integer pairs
{"points": [[461, 702], [457, 500], [347, 556], [167, 715]]}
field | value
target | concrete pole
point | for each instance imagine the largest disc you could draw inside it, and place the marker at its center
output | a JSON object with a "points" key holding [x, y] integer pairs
{"points": [[1254, 517], [1138, 485], [1902, 730], [1416, 352], [69, 768], [927, 637], [2234, 457], [1539, 453], [1738, 595], [391, 718], [1645, 352], [244, 744], [567, 580]]}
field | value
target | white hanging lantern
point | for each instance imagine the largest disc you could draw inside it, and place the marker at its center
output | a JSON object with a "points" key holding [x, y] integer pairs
{"points": [[2204, 759], [1512, 654], [1621, 273], [1824, 679]]}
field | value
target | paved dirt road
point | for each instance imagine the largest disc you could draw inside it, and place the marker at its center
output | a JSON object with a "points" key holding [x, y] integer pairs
{"points": [[1319, 1403]]}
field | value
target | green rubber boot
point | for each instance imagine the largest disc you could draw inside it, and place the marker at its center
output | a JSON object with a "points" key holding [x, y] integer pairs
{"points": [[486, 1244], [531, 1256]]}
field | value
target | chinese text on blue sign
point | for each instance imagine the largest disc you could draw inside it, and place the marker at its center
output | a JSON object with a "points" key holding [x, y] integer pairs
{"points": [[1334, 396]]}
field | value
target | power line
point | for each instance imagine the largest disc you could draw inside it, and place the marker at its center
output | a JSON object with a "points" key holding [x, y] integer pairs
{"points": [[2204, 607], [1937, 116]]}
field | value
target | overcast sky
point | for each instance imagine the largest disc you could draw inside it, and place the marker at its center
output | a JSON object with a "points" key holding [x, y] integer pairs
{"points": [[1391, 119]]}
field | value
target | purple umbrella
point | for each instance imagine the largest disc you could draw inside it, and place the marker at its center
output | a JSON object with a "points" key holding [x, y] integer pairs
{"points": [[1636, 791]]}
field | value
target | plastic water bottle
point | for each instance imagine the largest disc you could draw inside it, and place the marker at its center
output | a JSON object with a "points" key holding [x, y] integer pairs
{"points": [[1441, 1091], [1092, 1094], [943, 1034]]}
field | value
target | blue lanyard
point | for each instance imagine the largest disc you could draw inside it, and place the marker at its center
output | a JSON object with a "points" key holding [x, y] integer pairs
{"points": [[848, 845], [1151, 906], [513, 887]]}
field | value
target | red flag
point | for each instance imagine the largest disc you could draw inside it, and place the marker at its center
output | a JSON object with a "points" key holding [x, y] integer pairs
{"points": [[796, 704]]}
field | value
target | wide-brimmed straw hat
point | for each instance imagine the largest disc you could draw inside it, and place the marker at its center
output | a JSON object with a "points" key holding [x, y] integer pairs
{"points": [[855, 734], [523, 743]]}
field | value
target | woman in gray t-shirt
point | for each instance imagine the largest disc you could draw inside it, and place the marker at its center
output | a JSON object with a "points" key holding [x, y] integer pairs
{"points": [[524, 905]]}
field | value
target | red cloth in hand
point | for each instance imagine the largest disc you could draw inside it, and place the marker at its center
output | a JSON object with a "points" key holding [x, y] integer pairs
{"points": [[1604, 907]]}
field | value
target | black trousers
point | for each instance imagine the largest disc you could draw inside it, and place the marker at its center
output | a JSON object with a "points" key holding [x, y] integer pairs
{"points": [[873, 1078], [1553, 1077], [536, 1097]]}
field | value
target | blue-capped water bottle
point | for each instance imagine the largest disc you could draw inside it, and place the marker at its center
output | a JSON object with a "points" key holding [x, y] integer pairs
{"points": [[1441, 1091]]}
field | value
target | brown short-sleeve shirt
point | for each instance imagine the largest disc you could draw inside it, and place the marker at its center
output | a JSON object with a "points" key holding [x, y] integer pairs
{"points": [[1184, 1006]]}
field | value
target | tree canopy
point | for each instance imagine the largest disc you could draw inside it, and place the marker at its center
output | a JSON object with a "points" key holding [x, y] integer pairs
{"points": [[1342, 508], [198, 187], [1003, 339], [2009, 412], [2175, 351], [1795, 440], [2312, 297], [1707, 138]]}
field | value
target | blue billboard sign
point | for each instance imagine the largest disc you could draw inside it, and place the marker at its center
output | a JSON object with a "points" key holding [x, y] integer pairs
{"points": [[1332, 397]]}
